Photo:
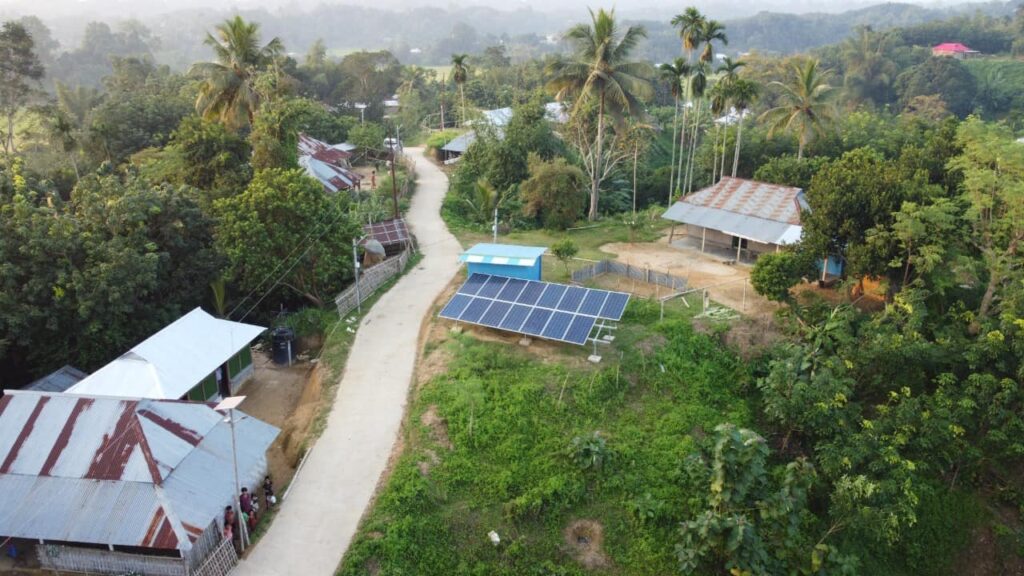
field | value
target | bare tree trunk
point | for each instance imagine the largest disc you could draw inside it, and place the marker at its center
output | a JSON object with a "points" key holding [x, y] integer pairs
{"points": [[462, 96], [693, 148], [672, 165], [736, 154], [682, 148], [725, 140], [595, 179], [9, 137], [800, 150], [714, 154], [636, 154]]}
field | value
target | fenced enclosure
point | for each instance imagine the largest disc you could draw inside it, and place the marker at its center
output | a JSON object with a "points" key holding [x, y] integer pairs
{"points": [[216, 560], [369, 281], [626, 270]]}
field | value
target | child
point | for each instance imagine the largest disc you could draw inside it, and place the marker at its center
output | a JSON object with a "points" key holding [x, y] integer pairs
{"points": [[268, 492]]}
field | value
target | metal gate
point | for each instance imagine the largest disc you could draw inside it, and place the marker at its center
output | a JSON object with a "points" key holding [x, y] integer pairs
{"points": [[220, 561]]}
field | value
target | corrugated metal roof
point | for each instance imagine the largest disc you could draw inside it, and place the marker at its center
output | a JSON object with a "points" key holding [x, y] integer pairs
{"points": [[59, 380], [388, 232], [506, 254], [460, 143], [171, 362], [752, 198], [734, 224], [150, 473], [309, 146], [333, 178]]}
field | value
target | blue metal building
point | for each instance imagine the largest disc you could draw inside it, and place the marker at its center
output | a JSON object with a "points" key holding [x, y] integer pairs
{"points": [[506, 260]]}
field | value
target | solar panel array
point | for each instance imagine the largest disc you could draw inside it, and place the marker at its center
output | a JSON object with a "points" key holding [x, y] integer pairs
{"points": [[541, 309], [388, 232]]}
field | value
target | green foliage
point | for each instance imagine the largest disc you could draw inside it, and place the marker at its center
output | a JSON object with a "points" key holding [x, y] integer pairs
{"points": [[212, 158], [510, 470], [774, 274], [368, 136], [83, 281], [947, 78], [790, 170], [565, 250], [284, 216], [20, 72], [439, 139], [749, 522], [554, 192]]}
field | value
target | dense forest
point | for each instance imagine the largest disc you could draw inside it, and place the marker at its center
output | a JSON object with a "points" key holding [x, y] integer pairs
{"points": [[132, 191]]}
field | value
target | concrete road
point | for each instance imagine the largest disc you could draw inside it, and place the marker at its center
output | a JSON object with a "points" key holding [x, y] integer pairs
{"points": [[313, 529]]}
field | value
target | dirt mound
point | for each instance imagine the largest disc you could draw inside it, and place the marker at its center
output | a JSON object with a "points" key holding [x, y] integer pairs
{"points": [[438, 427], [585, 538]]}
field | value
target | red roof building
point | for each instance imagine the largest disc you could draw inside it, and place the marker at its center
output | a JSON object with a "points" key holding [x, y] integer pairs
{"points": [[953, 49]]}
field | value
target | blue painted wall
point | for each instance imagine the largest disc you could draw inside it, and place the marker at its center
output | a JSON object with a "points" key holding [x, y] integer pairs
{"points": [[835, 266], [524, 272]]}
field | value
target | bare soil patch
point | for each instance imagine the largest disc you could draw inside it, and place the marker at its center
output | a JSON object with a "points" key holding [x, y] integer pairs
{"points": [[584, 539], [437, 425], [728, 284]]}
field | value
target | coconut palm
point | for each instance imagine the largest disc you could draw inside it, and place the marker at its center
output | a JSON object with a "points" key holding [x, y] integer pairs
{"points": [[227, 93], [674, 73], [710, 31], [869, 73], [690, 24], [728, 73], [806, 108], [743, 93], [696, 88], [718, 99], [460, 73], [600, 69]]}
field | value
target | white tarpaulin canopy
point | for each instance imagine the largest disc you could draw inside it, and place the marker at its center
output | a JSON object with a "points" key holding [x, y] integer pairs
{"points": [[171, 362]]}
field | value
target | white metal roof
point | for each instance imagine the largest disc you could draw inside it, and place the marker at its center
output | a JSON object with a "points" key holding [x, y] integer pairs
{"points": [[171, 362], [735, 224]]}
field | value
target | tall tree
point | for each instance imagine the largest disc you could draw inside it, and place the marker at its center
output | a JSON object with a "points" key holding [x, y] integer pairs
{"points": [[673, 73], [711, 31], [806, 104], [869, 73], [600, 70], [20, 73], [696, 88], [228, 93], [460, 73], [744, 93], [690, 24], [317, 56]]}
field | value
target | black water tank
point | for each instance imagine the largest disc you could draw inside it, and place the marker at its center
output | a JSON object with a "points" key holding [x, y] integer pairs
{"points": [[283, 345]]}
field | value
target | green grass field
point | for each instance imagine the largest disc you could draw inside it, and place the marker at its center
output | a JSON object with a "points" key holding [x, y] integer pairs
{"points": [[504, 459]]}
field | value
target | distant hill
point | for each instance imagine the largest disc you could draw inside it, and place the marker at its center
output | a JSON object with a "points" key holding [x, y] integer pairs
{"points": [[774, 32]]}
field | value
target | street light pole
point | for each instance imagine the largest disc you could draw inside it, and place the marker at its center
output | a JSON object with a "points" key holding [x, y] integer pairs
{"points": [[355, 268], [230, 404]]}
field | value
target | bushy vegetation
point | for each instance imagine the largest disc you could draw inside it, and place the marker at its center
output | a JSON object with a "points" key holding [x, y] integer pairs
{"points": [[537, 445]]}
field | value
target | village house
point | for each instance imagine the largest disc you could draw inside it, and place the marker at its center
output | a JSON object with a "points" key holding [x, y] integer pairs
{"points": [[329, 164], [123, 486], [954, 50]]}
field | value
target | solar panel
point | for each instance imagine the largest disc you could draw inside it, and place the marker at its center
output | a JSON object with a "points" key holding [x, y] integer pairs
{"points": [[614, 306], [580, 329], [593, 302], [541, 309], [531, 293], [492, 287], [552, 295], [388, 232], [512, 290], [475, 310], [514, 319], [557, 325], [495, 314], [573, 296], [535, 323], [473, 285], [455, 307]]}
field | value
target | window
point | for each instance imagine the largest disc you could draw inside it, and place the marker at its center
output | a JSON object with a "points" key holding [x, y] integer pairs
{"points": [[739, 242]]}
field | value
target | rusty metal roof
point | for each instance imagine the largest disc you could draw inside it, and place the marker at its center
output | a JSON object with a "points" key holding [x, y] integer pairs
{"points": [[322, 151], [116, 471], [388, 232], [752, 198]]}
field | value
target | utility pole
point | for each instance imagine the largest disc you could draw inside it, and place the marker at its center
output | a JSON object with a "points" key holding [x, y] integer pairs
{"points": [[495, 224], [394, 180], [230, 404], [443, 90], [355, 268]]}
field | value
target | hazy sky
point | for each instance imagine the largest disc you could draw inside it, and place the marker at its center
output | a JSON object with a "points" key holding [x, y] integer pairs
{"points": [[722, 9]]}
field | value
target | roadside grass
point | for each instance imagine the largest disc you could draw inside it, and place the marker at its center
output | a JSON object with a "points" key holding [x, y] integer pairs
{"points": [[512, 420]]}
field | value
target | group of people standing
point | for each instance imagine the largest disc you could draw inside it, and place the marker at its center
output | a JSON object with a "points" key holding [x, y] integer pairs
{"points": [[250, 507]]}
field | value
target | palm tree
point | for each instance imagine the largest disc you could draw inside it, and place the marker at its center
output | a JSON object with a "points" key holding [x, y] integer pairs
{"points": [[460, 73], [601, 69], [869, 72], [807, 108], [718, 99], [690, 24], [743, 93], [228, 93], [728, 74], [710, 31], [674, 73], [697, 87]]}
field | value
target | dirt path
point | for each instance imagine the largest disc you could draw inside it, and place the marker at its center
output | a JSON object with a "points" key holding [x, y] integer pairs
{"points": [[329, 495]]}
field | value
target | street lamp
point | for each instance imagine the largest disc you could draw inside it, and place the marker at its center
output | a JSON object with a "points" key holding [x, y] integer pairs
{"points": [[229, 404], [362, 110]]}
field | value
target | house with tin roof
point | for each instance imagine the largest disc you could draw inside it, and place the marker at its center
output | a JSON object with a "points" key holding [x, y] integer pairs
{"points": [[954, 50], [193, 358], [743, 218], [107, 485], [329, 164]]}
